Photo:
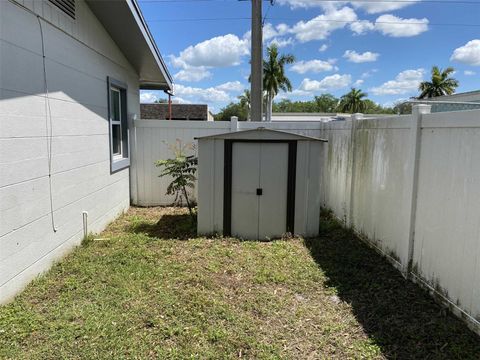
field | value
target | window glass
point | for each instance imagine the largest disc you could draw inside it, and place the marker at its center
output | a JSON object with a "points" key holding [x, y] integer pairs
{"points": [[117, 115], [116, 140], [115, 111]]}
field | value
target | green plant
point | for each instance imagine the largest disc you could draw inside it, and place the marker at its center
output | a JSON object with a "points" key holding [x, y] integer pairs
{"points": [[353, 102], [274, 78], [441, 83], [182, 169]]}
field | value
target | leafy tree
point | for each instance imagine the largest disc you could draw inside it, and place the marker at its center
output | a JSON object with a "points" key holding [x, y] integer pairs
{"points": [[232, 109], [326, 103], [374, 108], [441, 83], [403, 107], [286, 105], [274, 78], [182, 169], [161, 101], [353, 101], [245, 101]]}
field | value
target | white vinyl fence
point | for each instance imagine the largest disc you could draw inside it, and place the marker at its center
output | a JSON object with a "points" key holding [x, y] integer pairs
{"points": [[409, 185], [154, 140]]}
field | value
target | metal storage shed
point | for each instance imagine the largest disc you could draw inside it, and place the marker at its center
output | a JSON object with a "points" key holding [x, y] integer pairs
{"points": [[259, 184]]}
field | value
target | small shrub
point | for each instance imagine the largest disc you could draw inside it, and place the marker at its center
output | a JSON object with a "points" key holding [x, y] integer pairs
{"points": [[182, 169]]}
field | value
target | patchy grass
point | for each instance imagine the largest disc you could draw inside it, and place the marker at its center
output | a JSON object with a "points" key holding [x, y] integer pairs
{"points": [[148, 288]]}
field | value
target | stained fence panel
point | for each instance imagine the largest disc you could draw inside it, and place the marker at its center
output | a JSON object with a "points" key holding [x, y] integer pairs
{"points": [[409, 185]]}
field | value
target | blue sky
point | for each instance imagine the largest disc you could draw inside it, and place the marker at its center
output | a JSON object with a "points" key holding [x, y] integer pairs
{"points": [[384, 48]]}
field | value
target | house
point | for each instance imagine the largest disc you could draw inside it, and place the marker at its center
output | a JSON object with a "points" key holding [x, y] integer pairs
{"points": [[456, 102], [322, 117], [161, 111], [70, 75], [316, 117]]}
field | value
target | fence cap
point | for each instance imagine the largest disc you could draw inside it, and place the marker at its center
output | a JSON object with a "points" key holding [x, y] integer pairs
{"points": [[261, 133]]}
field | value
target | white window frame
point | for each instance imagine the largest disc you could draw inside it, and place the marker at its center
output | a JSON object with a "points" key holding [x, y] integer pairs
{"points": [[121, 160]]}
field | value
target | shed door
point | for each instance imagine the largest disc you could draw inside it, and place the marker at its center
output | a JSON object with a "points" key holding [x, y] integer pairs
{"points": [[259, 190]]}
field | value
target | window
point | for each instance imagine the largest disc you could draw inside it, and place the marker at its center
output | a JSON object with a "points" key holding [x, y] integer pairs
{"points": [[117, 114]]}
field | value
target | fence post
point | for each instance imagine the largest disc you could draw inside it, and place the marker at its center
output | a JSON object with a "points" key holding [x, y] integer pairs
{"points": [[414, 160], [355, 117], [234, 123]]}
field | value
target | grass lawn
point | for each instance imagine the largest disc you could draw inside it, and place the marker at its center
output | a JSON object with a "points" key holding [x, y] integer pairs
{"points": [[147, 288]]}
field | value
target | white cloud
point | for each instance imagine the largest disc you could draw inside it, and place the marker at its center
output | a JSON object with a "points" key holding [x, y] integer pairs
{"points": [[469, 73], [405, 82], [359, 82], [371, 7], [336, 17], [320, 27], [391, 25], [374, 7], [220, 51], [468, 53], [179, 100], [193, 74], [299, 3], [281, 42], [217, 94], [315, 66], [353, 56], [269, 31], [323, 48], [361, 27], [206, 95], [231, 86], [331, 82], [368, 73], [272, 35], [148, 97]]}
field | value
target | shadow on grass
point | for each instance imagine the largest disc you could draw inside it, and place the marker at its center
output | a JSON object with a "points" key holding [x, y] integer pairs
{"points": [[398, 315], [177, 226]]}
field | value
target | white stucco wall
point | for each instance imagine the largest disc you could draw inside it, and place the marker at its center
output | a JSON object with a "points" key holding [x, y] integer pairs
{"points": [[79, 56]]}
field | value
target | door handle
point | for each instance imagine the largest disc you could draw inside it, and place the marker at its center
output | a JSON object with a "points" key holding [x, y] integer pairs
{"points": [[259, 191]]}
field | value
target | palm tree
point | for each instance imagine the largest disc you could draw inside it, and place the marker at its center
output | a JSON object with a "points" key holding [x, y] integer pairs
{"points": [[245, 102], [353, 101], [274, 78], [441, 83]]}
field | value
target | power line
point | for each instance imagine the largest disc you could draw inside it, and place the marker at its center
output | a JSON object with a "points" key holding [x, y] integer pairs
{"points": [[314, 20], [272, 2]]}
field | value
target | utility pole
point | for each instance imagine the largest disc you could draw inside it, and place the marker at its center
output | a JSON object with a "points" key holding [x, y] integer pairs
{"points": [[256, 74]]}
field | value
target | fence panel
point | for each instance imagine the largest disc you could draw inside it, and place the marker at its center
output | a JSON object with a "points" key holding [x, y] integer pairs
{"points": [[409, 185], [155, 139]]}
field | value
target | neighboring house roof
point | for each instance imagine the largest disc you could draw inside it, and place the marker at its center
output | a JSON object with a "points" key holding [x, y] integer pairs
{"points": [[179, 111], [261, 133], [124, 22], [323, 117], [469, 96], [455, 102]]}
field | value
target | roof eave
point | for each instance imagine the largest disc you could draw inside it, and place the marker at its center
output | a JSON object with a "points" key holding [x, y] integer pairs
{"points": [[145, 84], [124, 21]]}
